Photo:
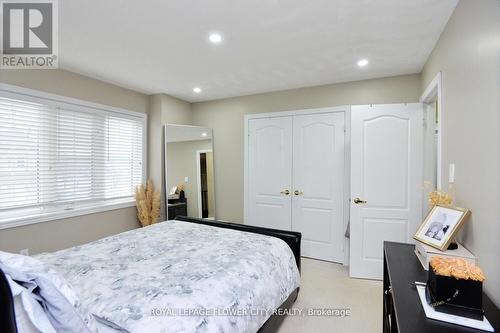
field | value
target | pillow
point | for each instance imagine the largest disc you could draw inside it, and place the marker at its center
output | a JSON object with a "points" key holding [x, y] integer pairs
{"points": [[30, 316], [59, 301]]}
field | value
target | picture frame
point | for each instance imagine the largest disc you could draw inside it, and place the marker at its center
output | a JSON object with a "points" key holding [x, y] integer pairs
{"points": [[441, 225]]}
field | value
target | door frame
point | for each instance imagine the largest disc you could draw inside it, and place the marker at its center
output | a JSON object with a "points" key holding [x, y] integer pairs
{"points": [[346, 109], [198, 179], [434, 92]]}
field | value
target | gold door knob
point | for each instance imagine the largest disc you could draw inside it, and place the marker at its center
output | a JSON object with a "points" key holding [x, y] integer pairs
{"points": [[358, 201], [285, 192], [297, 192]]}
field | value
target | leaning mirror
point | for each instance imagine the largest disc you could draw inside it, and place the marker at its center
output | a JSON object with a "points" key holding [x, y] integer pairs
{"points": [[189, 172]]}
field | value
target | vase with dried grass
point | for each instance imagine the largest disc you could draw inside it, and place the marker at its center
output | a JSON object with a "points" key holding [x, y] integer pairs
{"points": [[148, 203]]}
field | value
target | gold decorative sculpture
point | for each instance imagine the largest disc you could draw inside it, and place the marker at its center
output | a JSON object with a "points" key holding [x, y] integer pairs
{"points": [[441, 198]]}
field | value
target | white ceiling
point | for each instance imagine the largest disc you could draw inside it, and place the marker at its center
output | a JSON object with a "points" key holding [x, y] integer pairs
{"points": [[161, 46]]}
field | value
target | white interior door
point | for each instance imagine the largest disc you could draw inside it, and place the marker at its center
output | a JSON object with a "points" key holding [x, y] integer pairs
{"points": [[269, 173], [386, 172], [318, 184]]}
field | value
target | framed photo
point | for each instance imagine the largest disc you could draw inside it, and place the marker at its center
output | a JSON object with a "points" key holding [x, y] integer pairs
{"points": [[441, 226]]}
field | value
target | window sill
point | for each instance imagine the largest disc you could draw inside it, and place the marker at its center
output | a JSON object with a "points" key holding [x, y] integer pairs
{"points": [[34, 216]]}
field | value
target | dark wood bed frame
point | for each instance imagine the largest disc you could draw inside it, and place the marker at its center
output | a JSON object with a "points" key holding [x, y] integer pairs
{"points": [[7, 315]]}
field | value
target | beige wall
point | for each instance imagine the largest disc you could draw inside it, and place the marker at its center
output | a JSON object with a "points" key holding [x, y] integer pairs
{"points": [[64, 233], [468, 54], [69, 84], [226, 118], [181, 157], [55, 235]]}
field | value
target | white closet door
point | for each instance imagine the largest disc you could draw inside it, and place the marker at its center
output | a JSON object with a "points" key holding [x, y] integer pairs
{"points": [[318, 184], [269, 172], [386, 181]]}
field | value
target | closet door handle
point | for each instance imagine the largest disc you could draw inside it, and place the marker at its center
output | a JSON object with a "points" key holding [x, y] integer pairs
{"points": [[285, 192], [358, 201], [297, 192]]}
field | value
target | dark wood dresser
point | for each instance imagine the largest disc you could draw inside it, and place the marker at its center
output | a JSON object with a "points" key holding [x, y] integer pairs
{"points": [[176, 207], [402, 308]]}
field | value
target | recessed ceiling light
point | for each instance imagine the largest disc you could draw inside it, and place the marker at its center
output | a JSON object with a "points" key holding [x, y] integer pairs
{"points": [[204, 134], [215, 38], [197, 90], [362, 63]]}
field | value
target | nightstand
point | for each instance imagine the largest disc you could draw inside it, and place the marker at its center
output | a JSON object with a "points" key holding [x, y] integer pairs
{"points": [[402, 310]]}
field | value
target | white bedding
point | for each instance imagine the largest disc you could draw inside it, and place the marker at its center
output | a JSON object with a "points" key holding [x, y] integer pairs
{"points": [[142, 279], [103, 328], [43, 299]]}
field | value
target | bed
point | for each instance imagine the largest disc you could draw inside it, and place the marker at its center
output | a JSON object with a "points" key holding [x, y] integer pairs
{"points": [[185, 275]]}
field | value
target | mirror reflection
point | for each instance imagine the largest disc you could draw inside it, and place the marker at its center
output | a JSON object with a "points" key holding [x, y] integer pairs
{"points": [[189, 172]]}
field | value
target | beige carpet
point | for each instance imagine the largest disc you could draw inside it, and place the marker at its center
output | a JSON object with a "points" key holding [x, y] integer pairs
{"points": [[327, 285]]}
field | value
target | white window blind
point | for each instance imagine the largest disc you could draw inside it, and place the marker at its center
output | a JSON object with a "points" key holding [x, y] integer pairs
{"points": [[58, 156]]}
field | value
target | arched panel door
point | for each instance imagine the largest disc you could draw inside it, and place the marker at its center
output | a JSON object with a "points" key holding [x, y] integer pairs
{"points": [[386, 181], [269, 172], [318, 184]]}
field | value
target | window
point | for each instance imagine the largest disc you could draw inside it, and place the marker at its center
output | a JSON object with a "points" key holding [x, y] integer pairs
{"points": [[57, 156]]}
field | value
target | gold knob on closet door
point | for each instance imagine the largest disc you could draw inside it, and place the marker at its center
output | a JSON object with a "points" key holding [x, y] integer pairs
{"points": [[358, 201], [285, 192], [297, 192]]}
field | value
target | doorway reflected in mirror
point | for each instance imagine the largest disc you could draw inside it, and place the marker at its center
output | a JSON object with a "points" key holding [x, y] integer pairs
{"points": [[205, 179]]}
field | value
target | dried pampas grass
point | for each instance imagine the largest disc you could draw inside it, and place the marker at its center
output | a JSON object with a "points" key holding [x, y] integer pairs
{"points": [[148, 203]]}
